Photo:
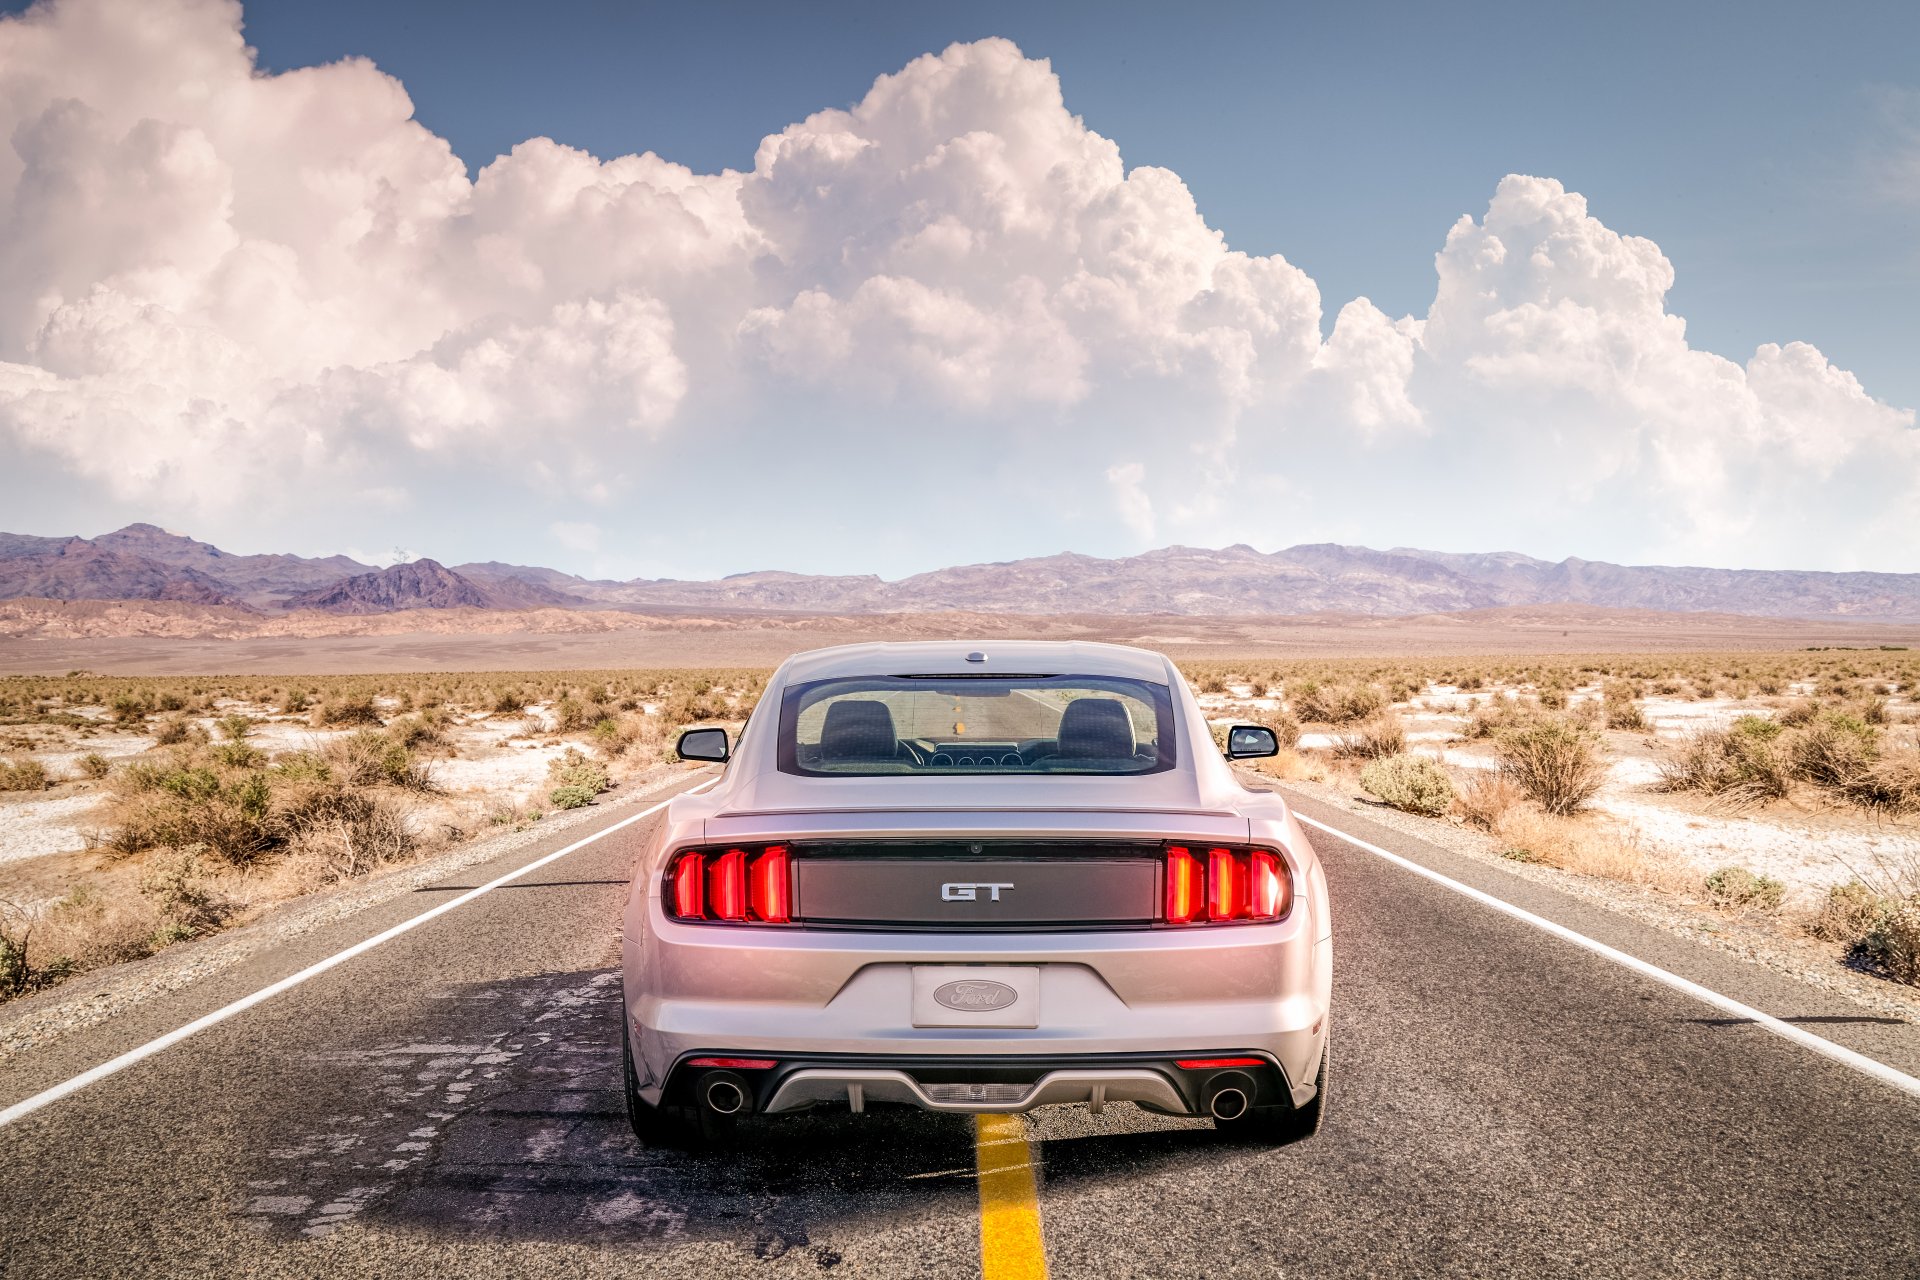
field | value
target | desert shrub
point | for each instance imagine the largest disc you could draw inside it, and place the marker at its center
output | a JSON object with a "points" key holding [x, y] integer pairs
{"points": [[1737, 887], [1621, 707], [234, 727], [345, 710], [1484, 797], [1554, 763], [172, 730], [1797, 712], [22, 969], [413, 732], [1384, 735], [1745, 762], [303, 766], [1891, 783], [370, 758], [1500, 715], [1835, 750], [1413, 784], [571, 797], [294, 703], [506, 701], [1847, 914], [1317, 703], [94, 765], [350, 831], [236, 754], [1580, 846], [23, 775], [129, 708], [576, 769], [1894, 940], [1286, 728], [177, 888]]}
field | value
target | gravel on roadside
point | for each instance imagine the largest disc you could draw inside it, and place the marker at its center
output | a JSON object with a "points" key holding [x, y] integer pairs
{"points": [[94, 997], [1756, 939]]}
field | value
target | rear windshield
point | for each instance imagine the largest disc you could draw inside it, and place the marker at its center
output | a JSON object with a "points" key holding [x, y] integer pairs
{"points": [[920, 725]]}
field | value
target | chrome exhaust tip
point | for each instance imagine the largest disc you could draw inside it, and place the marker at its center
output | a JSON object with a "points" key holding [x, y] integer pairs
{"points": [[724, 1093], [1227, 1104]]}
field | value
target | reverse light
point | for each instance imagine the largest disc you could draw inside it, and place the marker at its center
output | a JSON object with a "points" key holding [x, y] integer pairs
{"points": [[1227, 886], [731, 886]]}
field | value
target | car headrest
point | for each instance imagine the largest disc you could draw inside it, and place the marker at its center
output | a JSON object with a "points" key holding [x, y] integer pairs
{"points": [[859, 729], [1096, 727]]}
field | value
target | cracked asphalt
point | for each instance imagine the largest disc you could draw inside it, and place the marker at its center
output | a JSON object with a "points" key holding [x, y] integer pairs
{"points": [[448, 1104]]}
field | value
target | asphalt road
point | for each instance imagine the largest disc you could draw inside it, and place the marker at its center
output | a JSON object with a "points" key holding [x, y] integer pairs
{"points": [[447, 1104]]}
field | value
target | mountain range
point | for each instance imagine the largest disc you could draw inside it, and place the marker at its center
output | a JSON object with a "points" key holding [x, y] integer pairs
{"points": [[144, 562]]}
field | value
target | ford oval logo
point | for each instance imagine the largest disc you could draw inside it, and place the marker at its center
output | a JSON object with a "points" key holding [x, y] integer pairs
{"points": [[975, 995]]}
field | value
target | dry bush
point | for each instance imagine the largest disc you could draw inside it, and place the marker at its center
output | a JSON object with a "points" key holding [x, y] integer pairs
{"points": [[1891, 783], [23, 775], [576, 779], [1736, 888], [1621, 707], [95, 766], [1894, 940], [178, 889], [1481, 797], [346, 709], [1747, 762], [372, 759], [1847, 914], [1554, 763], [349, 832], [26, 964], [1580, 846], [1292, 766], [1317, 703], [1412, 784], [1835, 750], [1383, 735], [1500, 715]]}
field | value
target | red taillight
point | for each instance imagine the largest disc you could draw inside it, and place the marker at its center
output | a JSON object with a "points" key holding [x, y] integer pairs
{"points": [[1215, 1064], [735, 1064], [729, 885], [689, 882], [1272, 888], [1232, 884], [732, 886], [768, 890], [1183, 886], [1225, 880]]}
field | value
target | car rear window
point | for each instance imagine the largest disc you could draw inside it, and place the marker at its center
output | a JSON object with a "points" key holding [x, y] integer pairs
{"points": [[1002, 725]]}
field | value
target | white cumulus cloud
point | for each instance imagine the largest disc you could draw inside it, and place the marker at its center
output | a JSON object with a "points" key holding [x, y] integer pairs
{"points": [[215, 280]]}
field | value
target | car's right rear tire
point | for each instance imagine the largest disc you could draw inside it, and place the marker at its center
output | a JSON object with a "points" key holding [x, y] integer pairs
{"points": [[1282, 1125]]}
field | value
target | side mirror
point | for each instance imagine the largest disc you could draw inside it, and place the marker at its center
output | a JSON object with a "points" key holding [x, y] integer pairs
{"points": [[1248, 741], [707, 744]]}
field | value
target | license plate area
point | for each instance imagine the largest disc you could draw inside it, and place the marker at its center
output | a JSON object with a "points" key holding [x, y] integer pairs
{"points": [[976, 995]]}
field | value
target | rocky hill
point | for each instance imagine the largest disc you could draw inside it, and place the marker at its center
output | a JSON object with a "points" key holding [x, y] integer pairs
{"points": [[142, 562]]}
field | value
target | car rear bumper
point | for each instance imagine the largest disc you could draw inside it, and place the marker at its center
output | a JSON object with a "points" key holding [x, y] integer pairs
{"points": [[842, 1001]]}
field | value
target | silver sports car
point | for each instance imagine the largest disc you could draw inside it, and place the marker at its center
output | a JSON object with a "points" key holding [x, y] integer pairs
{"points": [[977, 879]]}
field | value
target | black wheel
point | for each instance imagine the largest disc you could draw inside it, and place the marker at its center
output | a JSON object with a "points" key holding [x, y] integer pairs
{"points": [[654, 1126], [1282, 1125]]}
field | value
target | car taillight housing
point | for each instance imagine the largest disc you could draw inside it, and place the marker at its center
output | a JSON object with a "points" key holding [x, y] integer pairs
{"points": [[744, 885], [1225, 885]]}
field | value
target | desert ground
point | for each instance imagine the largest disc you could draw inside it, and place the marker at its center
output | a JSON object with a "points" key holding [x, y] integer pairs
{"points": [[43, 637]]}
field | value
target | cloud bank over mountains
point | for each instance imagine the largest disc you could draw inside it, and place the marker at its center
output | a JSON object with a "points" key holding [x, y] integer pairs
{"points": [[217, 283]]}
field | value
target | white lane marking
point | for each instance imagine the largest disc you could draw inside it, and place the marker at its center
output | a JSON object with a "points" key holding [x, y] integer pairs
{"points": [[94, 1075], [1838, 1052]]}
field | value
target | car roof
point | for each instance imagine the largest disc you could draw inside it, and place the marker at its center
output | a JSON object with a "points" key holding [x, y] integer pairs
{"points": [[1012, 657]]}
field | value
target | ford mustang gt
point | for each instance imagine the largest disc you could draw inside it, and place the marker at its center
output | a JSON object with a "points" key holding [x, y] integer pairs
{"points": [[977, 880]]}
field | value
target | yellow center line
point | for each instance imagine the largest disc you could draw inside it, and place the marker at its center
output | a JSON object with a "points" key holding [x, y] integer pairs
{"points": [[1010, 1245]]}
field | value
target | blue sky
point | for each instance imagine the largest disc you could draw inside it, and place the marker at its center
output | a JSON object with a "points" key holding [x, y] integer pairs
{"points": [[1036, 278]]}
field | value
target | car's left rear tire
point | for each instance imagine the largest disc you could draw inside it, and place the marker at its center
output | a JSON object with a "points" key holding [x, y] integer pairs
{"points": [[654, 1126]]}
